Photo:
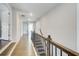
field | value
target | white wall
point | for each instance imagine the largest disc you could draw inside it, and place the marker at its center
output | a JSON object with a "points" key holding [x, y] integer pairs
{"points": [[60, 24], [16, 28], [78, 26]]}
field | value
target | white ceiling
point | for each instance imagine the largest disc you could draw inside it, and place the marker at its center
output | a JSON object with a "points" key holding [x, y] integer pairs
{"points": [[35, 9]]}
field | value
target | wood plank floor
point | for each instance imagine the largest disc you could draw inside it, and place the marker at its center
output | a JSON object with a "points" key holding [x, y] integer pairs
{"points": [[24, 48]]}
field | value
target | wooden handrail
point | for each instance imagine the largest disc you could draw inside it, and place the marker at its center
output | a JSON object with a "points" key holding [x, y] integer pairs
{"points": [[65, 49], [70, 52]]}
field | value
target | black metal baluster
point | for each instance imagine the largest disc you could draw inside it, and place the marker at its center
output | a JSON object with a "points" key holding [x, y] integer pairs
{"points": [[45, 48], [60, 52], [55, 51], [49, 48], [52, 50]]}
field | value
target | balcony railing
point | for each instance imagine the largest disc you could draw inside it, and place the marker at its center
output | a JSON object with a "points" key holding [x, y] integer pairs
{"points": [[50, 47]]}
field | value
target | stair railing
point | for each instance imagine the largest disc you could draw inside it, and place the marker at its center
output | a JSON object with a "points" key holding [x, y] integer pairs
{"points": [[52, 47]]}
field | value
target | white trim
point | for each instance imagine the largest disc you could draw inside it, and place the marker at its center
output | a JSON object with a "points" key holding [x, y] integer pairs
{"points": [[5, 47], [10, 53], [34, 49], [13, 48]]}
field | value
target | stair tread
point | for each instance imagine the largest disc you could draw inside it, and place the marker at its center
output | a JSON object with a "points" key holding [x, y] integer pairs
{"points": [[42, 54], [40, 50], [38, 43], [39, 47], [37, 40]]}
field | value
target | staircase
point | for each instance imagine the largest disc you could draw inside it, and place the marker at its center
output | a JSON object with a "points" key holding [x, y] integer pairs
{"points": [[48, 47], [38, 44]]}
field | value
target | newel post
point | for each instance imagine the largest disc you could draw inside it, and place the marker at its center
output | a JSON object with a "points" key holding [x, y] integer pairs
{"points": [[48, 45]]}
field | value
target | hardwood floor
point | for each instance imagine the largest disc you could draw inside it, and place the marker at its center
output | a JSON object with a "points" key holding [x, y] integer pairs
{"points": [[24, 48]]}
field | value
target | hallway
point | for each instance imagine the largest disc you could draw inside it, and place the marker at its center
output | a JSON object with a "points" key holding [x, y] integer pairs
{"points": [[54, 27], [22, 48]]}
